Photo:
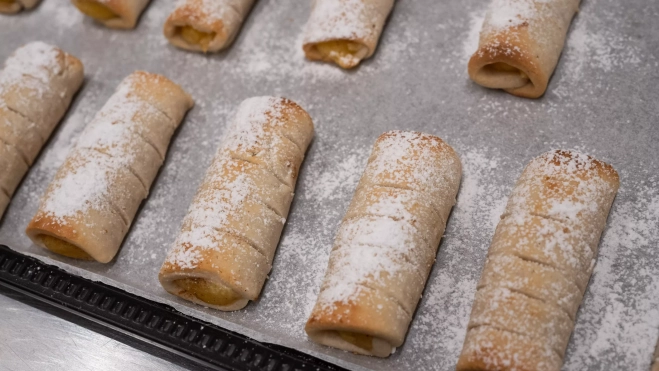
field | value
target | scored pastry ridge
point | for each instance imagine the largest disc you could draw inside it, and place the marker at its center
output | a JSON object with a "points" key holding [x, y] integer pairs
{"points": [[229, 236], [539, 263], [489, 348], [206, 25], [37, 84], [94, 197], [386, 244], [545, 242], [532, 279], [519, 313]]}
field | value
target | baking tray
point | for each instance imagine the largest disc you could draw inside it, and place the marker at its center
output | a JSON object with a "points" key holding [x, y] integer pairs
{"points": [[602, 100], [148, 321]]}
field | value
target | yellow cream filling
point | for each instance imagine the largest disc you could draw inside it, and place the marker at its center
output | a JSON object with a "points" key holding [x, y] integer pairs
{"points": [[196, 37], [342, 52], [208, 292], [95, 10], [505, 76], [58, 246], [505, 67], [360, 340]]}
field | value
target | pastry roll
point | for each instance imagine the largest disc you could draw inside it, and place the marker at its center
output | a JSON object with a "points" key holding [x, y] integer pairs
{"points": [[386, 244], [655, 366], [90, 205], [112, 13], [15, 6], [345, 31], [37, 85], [538, 266], [206, 25], [520, 43], [224, 252]]}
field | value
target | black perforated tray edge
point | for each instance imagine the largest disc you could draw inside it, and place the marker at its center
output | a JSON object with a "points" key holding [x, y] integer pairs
{"points": [[148, 321]]}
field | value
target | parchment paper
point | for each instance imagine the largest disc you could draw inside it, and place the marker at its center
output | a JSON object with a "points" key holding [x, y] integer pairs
{"points": [[602, 100]]}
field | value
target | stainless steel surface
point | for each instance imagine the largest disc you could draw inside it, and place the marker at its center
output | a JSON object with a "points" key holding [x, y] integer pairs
{"points": [[33, 340], [602, 100]]}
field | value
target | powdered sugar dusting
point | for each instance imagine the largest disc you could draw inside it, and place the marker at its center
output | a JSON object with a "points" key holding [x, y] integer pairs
{"points": [[590, 46], [478, 192], [345, 172], [505, 14], [417, 80], [81, 189], [281, 56], [449, 292], [619, 322], [369, 248], [248, 127], [36, 59], [213, 9], [31, 67], [341, 20], [326, 189], [228, 189], [470, 45], [84, 180], [554, 217], [411, 159], [64, 16], [68, 134], [567, 186], [287, 59], [226, 13]]}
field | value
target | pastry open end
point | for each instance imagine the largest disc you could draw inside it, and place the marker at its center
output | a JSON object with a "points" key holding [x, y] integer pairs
{"points": [[345, 53], [500, 64], [16, 6], [354, 342], [62, 247], [208, 292], [344, 32], [95, 10], [195, 37], [10, 6], [518, 50], [206, 26], [360, 340], [501, 75]]}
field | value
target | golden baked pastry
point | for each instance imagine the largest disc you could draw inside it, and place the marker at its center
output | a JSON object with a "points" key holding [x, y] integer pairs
{"points": [[16, 6], [345, 32], [386, 244], [520, 44], [538, 266], [90, 205], [37, 85], [112, 13], [224, 252], [206, 25]]}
